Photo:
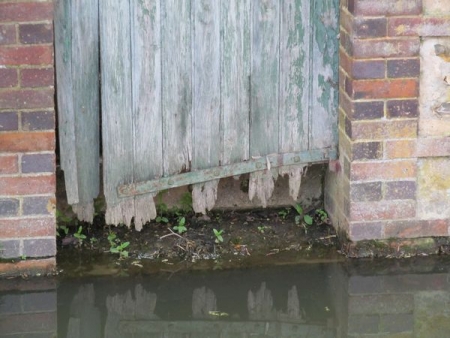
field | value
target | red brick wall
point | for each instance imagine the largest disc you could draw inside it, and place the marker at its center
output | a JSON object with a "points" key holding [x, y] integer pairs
{"points": [[375, 195], [27, 130]]}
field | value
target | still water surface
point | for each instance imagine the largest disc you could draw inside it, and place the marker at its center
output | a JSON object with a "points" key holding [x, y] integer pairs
{"points": [[391, 298]]}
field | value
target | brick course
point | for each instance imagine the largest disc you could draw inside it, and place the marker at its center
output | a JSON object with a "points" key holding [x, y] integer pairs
{"points": [[33, 77], [27, 136], [379, 140]]}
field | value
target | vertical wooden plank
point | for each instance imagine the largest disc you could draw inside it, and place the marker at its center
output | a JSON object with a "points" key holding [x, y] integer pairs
{"points": [[117, 122], [324, 82], [147, 115], [85, 82], [206, 98], [294, 75], [265, 77], [176, 85], [206, 79], [264, 92], [294, 112], [235, 80], [66, 125]]}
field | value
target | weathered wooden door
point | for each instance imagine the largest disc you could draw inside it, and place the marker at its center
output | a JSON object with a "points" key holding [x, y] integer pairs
{"points": [[196, 90]]}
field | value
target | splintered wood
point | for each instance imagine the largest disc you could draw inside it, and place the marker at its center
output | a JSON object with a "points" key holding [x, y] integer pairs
{"points": [[295, 178], [261, 185], [204, 196], [85, 212], [142, 208], [145, 210], [121, 213], [191, 86]]}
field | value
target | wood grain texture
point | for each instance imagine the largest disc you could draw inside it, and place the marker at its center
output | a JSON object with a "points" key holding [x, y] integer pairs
{"points": [[294, 75], [117, 121], [261, 185], [206, 79], [66, 124], [265, 72], [146, 101], [192, 85], [176, 85], [294, 174], [76, 55], [235, 80], [264, 77], [206, 97], [324, 81], [204, 196], [85, 51]]}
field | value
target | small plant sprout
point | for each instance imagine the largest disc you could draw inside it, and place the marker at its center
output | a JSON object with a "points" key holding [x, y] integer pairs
{"points": [[218, 235], [308, 220], [120, 249], [116, 246], [162, 219], [283, 213], [322, 215], [263, 228], [181, 227], [64, 229], [79, 235]]}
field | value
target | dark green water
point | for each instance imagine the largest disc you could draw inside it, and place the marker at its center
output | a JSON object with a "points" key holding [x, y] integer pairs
{"points": [[389, 298]]}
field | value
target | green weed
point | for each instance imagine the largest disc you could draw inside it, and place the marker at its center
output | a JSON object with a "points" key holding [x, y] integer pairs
{"points": [[181, 226], [322, 215], [63, 228], [117, 246], [80, 236], [263, 228], [218, 235], [301, 217], [162, 219], [283, 213], [120, 249]]}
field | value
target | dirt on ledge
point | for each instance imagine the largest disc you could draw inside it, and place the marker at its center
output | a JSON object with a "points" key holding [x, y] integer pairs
{"points": [[217, 240]]}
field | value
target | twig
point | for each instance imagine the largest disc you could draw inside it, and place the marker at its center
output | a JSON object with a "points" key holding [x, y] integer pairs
{"points": [[328, 237], [273, 252], [171, 234]]}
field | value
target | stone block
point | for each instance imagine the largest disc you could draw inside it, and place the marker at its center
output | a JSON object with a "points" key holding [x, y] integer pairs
{"points": [[433, 191], [434, 87]]}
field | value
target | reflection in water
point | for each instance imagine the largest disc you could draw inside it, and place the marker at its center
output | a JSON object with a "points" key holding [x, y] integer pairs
{"points": [[260, 306], [204, 303], [84, 320], [120, 307], [408, 298]]}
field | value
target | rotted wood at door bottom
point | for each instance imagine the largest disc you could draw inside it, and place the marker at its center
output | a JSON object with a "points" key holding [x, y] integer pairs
{"points": [[194, 88]]}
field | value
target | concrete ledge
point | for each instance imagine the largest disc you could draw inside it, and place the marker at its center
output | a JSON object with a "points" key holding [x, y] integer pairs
{"points": [[397, 248], [30, 267]]}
